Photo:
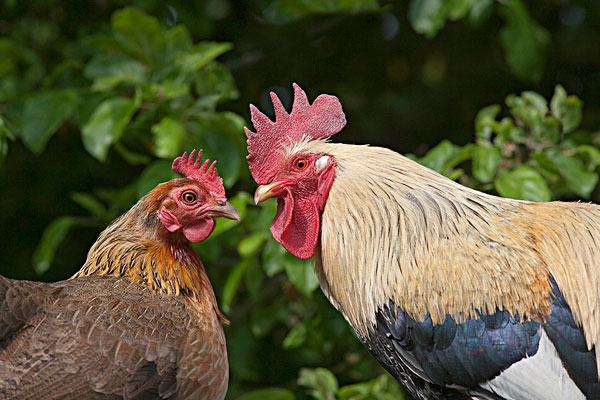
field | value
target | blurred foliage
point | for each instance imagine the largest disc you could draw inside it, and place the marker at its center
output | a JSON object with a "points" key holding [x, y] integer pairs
{"points": [[96, 99], [537, 153]]}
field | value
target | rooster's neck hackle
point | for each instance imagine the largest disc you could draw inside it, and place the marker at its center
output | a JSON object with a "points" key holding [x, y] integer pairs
{"points": [[137, 246], [393, 230]]}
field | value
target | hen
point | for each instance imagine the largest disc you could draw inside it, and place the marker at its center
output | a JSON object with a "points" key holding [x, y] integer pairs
{"points": [[457, 293], [139, 320]]}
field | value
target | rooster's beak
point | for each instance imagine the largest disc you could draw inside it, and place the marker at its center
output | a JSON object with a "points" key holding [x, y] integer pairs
{"points": [[265, 192], [226, 211]]}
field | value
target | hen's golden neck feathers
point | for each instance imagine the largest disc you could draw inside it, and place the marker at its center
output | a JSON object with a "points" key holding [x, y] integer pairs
{"points": [[137, 246]]}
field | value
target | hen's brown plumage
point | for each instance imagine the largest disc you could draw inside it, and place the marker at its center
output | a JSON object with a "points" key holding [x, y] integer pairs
{"points": [[138, 321]]}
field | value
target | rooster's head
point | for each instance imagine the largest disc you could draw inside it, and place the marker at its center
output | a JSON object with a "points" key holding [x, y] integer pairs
{"points": [[299, 178]]}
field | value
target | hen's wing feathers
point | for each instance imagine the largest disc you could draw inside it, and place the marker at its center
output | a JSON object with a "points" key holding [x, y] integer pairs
{"points": [[19, 301], [115, 335]]}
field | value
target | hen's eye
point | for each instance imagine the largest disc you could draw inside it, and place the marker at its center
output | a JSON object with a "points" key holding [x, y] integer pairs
{"points": [[189, 197], [301, 164]]}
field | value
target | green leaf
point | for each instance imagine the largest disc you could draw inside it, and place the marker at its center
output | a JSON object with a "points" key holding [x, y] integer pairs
{"points": [[139, 34], [170, 88], [550, 130], [177, 41], [43, 114], [273, 257], [485, 162], [445, 156], [302, 274], [457, 9], [107, 123], [268, 394], [522, 183], [384, 387], [233, 282], [536, 100], [296, 337], [52, 237], [485, 121], [202, 54], [109, 70], [524, 41], [169, 136], [578, 180], [251, 244], [89, 203], [284, 11], [155, 173], [529, 110], [480, 11], [131, 157], [215, 81], [5, 136], [592, 152], [427, 17], [566, 109], [323, 384]]}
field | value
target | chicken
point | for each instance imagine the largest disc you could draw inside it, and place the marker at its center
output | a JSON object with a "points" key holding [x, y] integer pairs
{"points": [[457, 293], [139, 320]]}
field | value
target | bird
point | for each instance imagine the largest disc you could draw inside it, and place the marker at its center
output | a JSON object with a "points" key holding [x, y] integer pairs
{"points": [[139, 320], [458, 294]]}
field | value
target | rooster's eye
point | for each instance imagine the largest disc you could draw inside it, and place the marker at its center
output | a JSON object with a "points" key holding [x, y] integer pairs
{"points": [[189, 197], [301, 164]]}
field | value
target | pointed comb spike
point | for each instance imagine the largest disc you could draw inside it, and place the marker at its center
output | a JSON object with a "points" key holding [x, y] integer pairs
{"points": [[322, 119], [196, 170], [212, 170], [301, 104], [259, 119], [198, 159]]}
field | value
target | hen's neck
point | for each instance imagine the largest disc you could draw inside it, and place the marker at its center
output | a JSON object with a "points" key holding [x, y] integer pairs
{"points": [[137, 246]]}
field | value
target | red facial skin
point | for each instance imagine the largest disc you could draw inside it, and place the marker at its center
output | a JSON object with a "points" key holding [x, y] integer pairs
{"points": [[194, 218], [301, 196]]}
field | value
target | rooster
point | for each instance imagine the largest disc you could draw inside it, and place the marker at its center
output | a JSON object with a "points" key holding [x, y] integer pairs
{"points": [[139, 320], [457, 293]]}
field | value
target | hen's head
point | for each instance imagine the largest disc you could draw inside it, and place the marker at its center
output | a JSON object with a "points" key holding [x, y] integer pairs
{"points": [[192, 203], [300, 179]]}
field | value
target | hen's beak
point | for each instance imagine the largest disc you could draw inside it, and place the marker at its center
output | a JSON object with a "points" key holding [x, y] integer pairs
{"points": [[226, 211], [265, 192]]}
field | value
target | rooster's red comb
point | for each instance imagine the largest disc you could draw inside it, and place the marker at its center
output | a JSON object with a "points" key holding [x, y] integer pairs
{"points": [[322, 119], [203, 174]]}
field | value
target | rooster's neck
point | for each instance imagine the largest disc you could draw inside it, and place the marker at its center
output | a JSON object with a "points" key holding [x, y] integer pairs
{"points": [[396, 231]]}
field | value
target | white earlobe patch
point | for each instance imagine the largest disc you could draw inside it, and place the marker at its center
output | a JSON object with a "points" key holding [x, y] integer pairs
{"points": [[321, 163]]}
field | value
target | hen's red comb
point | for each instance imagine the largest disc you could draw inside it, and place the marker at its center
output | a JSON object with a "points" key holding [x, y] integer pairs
{"points": [[322, 119], [203, 174]]}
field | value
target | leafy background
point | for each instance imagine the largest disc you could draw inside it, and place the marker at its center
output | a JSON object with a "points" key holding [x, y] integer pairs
{"points": [[97, 97]]}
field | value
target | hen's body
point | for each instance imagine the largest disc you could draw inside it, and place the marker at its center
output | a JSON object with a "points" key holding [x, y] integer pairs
{"points": [[104, 337], [138, 321]]}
